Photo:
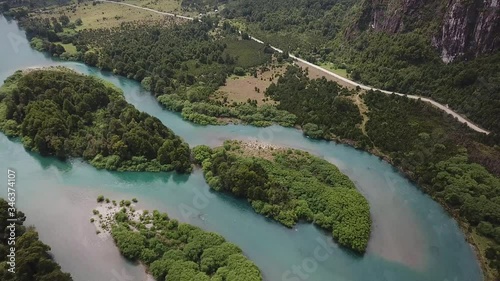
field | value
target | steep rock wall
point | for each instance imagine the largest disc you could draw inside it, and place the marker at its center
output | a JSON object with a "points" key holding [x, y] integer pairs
{"points": [[469, 28], [458, 28]]}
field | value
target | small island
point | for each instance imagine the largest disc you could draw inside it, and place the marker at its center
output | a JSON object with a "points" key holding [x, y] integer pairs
{"points": [[289, 186], [171, 250], [58, 112]]}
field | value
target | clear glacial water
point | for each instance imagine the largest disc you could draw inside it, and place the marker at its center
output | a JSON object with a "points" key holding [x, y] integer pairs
{"points": [[412, 237]]}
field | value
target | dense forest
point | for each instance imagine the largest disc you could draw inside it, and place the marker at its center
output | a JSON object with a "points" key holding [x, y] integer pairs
{"points": [[290, 186], [322, 107], [64, 114], [176, 251], [33, 260]]}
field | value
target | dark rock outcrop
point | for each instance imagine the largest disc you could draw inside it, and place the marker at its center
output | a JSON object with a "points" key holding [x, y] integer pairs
{"points": [[459, 28], [469, 28]]}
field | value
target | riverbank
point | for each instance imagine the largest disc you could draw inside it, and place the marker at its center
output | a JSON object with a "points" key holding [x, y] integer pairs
{"points": [[478, 248]]}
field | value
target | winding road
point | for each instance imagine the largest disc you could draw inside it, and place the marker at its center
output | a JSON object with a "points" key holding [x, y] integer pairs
{"points": [[442, 107]]}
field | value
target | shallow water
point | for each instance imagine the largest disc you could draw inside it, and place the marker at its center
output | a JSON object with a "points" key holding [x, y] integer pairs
{"points": [[412, 237]]}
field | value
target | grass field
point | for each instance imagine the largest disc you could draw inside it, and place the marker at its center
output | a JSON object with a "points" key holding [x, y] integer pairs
{"points": [[316, 73], [248, 52], [331, 67], [240, 89], [102, 15], [70, 48], [169, 6]]}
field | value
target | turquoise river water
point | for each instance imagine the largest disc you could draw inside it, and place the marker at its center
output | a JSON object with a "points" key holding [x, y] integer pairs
{"points": [[412, 237]]}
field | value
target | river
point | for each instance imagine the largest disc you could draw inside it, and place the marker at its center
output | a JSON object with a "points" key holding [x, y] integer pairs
{"points": [[412, 237]]}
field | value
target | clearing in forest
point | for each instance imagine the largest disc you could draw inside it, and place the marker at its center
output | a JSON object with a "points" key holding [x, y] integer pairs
{"points": [[316, 74], [241, 88], [101, 15], [168, 6]]}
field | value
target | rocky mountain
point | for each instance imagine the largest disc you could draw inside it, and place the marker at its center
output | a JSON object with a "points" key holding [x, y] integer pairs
{"points": [[469, 28], [457, 27]]}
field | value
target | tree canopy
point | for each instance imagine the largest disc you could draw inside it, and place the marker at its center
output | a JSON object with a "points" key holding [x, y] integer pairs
{"points": [[64, 114], [178, 251], [291, 186]]}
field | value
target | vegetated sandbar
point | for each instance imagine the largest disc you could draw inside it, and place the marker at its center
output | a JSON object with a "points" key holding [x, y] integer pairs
{"points": [[171, 250], [289, 185]]}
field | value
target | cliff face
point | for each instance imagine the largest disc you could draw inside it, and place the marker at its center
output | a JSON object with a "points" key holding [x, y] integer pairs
{"points": [[391, 15], [458, 27], [469, 29]]}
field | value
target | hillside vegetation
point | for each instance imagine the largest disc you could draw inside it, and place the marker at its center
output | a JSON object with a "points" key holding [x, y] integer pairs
{"points": [[456, 166]]}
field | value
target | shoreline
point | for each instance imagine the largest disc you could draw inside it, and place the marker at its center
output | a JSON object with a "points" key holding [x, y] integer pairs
{"points": [[463, 225]]}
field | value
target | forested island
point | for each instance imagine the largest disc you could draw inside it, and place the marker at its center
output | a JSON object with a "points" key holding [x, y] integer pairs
{"points": [[32, 258], [289, 186], [57, 112], [172, 250]]}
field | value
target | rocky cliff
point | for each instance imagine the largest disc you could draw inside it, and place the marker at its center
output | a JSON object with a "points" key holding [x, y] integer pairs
{"points": [[469, 28], [456, 27]]}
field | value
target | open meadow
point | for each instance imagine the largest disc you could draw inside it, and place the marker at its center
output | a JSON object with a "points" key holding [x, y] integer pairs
{"points": [[100, 15]]}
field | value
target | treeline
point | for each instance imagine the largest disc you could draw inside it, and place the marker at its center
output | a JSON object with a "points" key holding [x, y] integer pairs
{"points": [[64, 114], [32, 258], [176, 251], [322, 107], [301, 26], [293, 186], [180, 55], [455, 165], [202, 6]]}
